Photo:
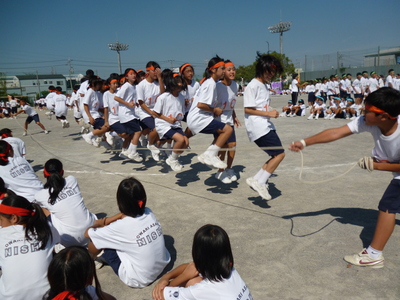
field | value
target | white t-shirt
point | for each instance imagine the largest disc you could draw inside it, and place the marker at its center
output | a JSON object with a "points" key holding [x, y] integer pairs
{"points": [[197, 118], [373, 84], [128, 94], [75, 101], [257, 95], [294, 87], [172, 107], [226, 100], [140, 246], [13, 103], [19, 177], [69, 214], [148, 92], [60, 105], [112, 105], [396, 83], [30, 111], [50, 100], [232, 288], [387, 148], [357, 86], [24, 266], [191, 90], [91, 99], [364, 84], [17, 144], [389, 79], [83, 87]]}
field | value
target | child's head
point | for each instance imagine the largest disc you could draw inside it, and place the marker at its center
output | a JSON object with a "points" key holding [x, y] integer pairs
{"points": [[52, 88], [5, 152], [131, 197], [151, 68], [59, 90], [95, 83], [230, 70], [187, 71], [113, 81], [76, 87], [290, 102], [267, 67], [385, 99], [70, 272], [140, 75], [173, 83], [212, 253], [130, 75], [5, 133], [215, 68], [301, 101], [350, 101]]}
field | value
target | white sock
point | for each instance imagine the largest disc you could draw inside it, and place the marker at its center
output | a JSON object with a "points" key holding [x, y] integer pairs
{"points": [[213, 150], [258, 175], [264, 177], [174, 155], [373, 253], [132, 148], [91, 135]]}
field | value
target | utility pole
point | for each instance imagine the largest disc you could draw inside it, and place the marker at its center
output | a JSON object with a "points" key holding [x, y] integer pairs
{"points": [[70, 70], [118, 47]]}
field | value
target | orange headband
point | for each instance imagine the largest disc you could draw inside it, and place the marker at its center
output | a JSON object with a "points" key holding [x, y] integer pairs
{"points": [[184, 66], [114, 80], [175, 75], [217, 65], [140, 202], [131, 71], [149, 68], [138, 71], [122, 79], [6, 135], [18, 211], [229, 64], [4, 156], [377, 110], [65, 294], [47, 174]]}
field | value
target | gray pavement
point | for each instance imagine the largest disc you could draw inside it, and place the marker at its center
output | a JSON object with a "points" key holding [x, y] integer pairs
{"points": [[291, 247]]}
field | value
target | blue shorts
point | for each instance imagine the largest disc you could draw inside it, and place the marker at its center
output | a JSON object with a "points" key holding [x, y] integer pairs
{"points": [[61, 118], [358, 96], [131, 126], [33, 118], [148, 122], [118, 128], [170, 133], [98, 123], [391, 198], [213, 127], [112, 258], [271, 139], [232, 138]]}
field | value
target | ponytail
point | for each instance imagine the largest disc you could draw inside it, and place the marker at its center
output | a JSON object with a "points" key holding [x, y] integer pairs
{"points": [[53, 171], [211, 65], [5, 148], [30, 215]]}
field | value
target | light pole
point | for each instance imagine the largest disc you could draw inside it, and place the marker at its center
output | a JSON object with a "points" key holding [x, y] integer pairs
{"points": [[268, 47], [118, 47], [281, 27]]}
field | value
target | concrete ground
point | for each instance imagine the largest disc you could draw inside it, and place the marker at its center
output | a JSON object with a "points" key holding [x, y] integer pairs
{"points": [[291, 247]]}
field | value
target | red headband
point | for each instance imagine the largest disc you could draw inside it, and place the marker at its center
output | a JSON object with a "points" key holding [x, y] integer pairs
{"points": [[140, 202], [378, 110], [4, 156], [184, 66], [18, 211], [217, 65], [6, 135], [47, 174], [65, 294]]}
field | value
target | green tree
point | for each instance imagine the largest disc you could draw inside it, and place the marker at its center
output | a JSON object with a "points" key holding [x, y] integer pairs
{"points": [[248, 72]]}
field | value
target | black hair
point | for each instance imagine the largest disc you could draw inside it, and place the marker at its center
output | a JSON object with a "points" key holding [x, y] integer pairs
{"points": [[153, 64], [332, 76], [348, 74], [212, 253], [294, 75], [187, 66], [5, 131], [59, 89], [72, 269], [89, 73], [112, 77], [216, 59], [141, 73], [267, 63], [359, 74], [52, 88], [94, 80], [76, 87], [4, 149], [172, 80], [387, 99], [36, 225], [127, 70], [130, 192], [391, 70], [55, 182], [3, 188]]}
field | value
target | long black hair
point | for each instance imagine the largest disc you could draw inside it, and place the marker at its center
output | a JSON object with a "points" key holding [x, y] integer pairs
{"points": [[71, 271], [53, 171], [131, 197], [4, 150], [36, 225]]}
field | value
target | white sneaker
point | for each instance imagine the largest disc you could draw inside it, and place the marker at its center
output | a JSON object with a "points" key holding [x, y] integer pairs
{"points": [[24, 134], [260, 189], [154, 152], [109, 139], [143, 141], [63, 123], [316, 117], [174, 164], [332, 116], [66, 124], [87, 139], [96, 142], [82, 129], [46, 132], [327, 117], [310, 117], [215, 161], [135, 157], [232, 175], [223, 177], [124, 154], [283, 114]]}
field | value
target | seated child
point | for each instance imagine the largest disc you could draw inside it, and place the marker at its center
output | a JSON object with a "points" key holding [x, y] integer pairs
{"points": [[336, 109], [286, 110], [318, 109], [298, 110]]}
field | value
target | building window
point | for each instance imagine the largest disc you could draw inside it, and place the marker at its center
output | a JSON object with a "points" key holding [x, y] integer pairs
{"points": [[45, 82], [50, 82], [59, 83], [33, 83]]}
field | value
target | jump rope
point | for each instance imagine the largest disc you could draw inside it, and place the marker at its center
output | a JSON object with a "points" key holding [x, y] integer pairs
{"points": [[203, 197]]}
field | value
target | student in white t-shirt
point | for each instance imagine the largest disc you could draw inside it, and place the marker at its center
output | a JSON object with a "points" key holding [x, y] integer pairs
{"points": [[60, 107], [17, 144], [32, 116], [75, 104], [227, 91], [126, 97], [26, 249], [211, 275], [318, 109], [357, 89], [49, 101], [373, 82], [17, 173], [132, 240], [13, 104], [389, 79], [201, 117], [170, 109], [71, 274], [148, 91], [187, 73], [257, 120], [62, 200]]}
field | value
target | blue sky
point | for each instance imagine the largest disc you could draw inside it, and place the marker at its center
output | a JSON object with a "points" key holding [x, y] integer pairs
{"points": [[41, 35]]}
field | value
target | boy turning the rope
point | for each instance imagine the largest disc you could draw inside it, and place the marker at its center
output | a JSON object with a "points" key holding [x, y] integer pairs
{"points": [[382, 110]]}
